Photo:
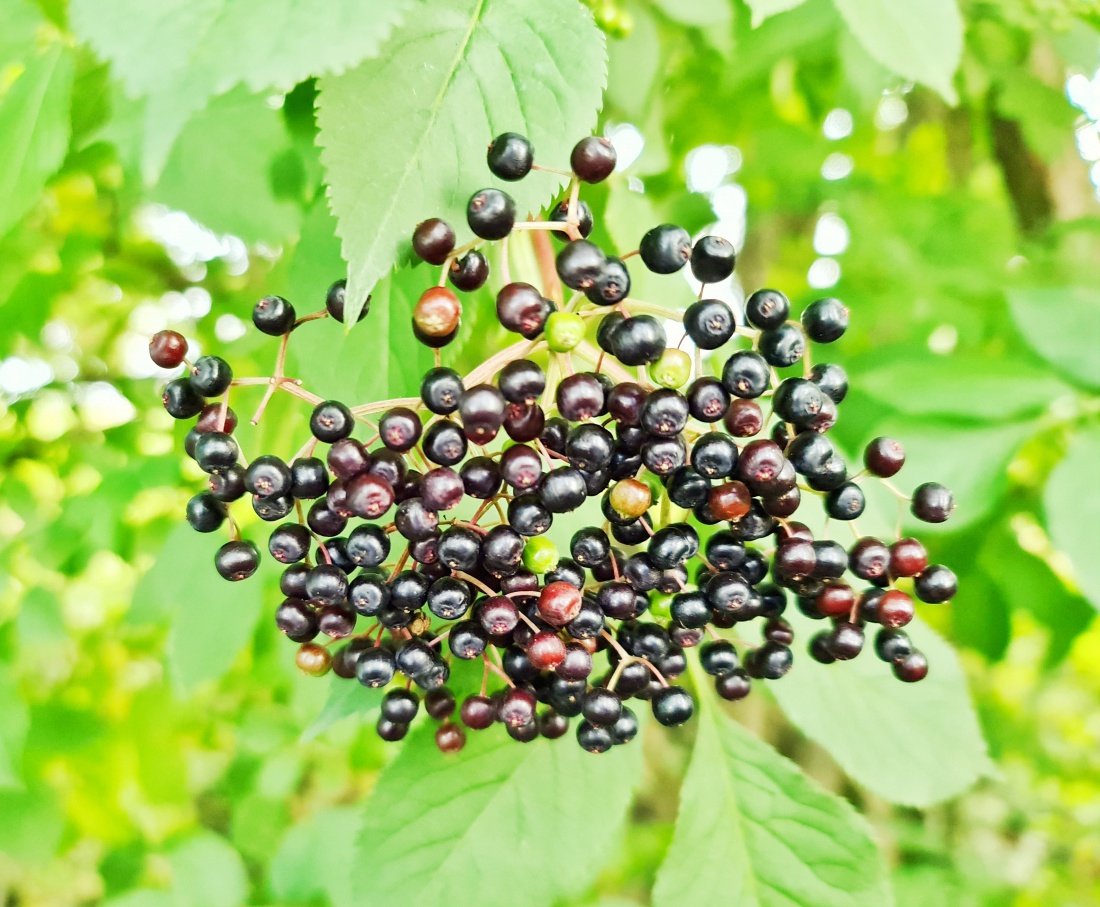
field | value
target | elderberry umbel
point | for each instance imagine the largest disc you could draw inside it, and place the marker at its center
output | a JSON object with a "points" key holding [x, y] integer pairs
{"points": [[411, 533]]}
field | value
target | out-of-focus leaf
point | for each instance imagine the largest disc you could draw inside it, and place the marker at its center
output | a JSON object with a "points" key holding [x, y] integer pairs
{"points": [[961, 387], [919, 41], [13, 730], [32, 826], [219, 170], [315, 262], [1071, 501], [21, 20], [765, 9], [753, 831], [1061, 325], [916, 744], [207, 872], [312, 861], [380, 361], [346, 697], [34, 121], [212, 620], [180, 54], [1044, 114], [436, 824], [531, 66]]}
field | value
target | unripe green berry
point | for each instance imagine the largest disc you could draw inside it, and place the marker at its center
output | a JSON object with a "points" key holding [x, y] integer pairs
{"points": [[660, 606], [540, 555], [564, 331], [672, 370]]}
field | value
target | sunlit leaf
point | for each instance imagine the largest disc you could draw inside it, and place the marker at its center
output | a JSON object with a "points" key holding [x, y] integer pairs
{"points": [[482, 821], [753, 831], [1061, 325], [530, 66], [1071, 501]]}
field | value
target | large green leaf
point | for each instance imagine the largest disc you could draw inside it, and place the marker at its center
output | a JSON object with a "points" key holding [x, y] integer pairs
{"points": [[404, 135], [313, 859], [1072, 504], [753, 831], [381, 361], [21, 20], [1061, 324], [345, 698], [211, 619], [207, 872], [34, 121], [963, 387], [180, 53], [218, 171], [915, 744], [487, 820], [920, 41]]}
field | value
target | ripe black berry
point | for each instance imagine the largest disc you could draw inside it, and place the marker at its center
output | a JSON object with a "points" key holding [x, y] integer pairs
{"points": [[469, 272], [782, 346], [709, 323], [510, 156], [593, 159], [825, 320], [335, 299], [210, 376], [273, 315], [767, 309], [205, 513], [932, 503], [237, 560], [331, 421], [433, 240], [491, 213], [580, 264], [712, 259], [672, 706]]}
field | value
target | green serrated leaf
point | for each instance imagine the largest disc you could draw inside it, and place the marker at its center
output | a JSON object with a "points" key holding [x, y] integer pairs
{"points": [[380, 361], [180, 53], [345, 698], [219, 170], [765, 9], [1071, 502], [459, 74], [496, 797], [966, 387], [1061, 324], [919, 41], [753, 831], [35, 124], [915, 744]]}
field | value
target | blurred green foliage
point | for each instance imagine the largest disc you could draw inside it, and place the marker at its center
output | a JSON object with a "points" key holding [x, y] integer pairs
{"points": [[157, 745]]}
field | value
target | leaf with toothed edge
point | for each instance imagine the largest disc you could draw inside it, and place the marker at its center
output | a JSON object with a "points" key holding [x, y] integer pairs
{"points": [[457, 75], [436, 824]]}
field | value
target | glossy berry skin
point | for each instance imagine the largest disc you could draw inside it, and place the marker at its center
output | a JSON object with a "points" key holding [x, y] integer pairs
{"points": [[746, 374], [522, 381], [441, 390], [237, 560], [846, 502], [593, 159], [521, 308], [612, 285], [289, 543], [744, 418], [890, 645], [782, 346], [825, 320], [331, 421], [672, 706], [490, 214], [715, 456], [433, 240], [601, 708], [665, 249], [336, 298], [767, 309], [936, 585], [884, 457], [907, 557], [308, 478], [593, 739], [437, 313], [400, 706], [932, 503], [181, 400], [709, 323], [712, 259], [638, 341], [205, 513], [911, 668], [267, 476], [167, 349], [895, 609], [399, 428], [273, 316], [510, 156], [216, 452], [444, 443], [469, 272], [559, 603], [560, 214], [580, 263]]}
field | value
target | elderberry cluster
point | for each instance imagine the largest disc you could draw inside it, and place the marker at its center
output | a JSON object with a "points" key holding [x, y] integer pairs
{"points": [[423, 541]]}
